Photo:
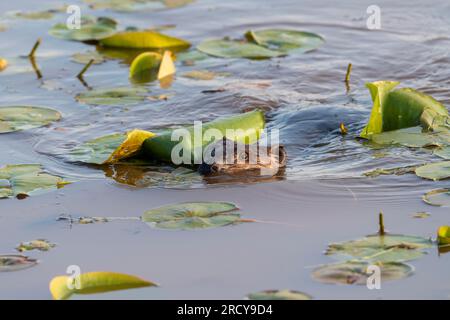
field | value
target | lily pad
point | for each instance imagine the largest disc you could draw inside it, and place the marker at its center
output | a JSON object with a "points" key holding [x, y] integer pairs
{"points": [[397, 171], [136, 5], [356, 272], [36, 15], [192, 215], [143, 40], [15, 263], [438, 198], [63, 287], [120, 96], [434, 171], [376, 248], [443, 153], [17, 118], [26, 179], [92, 28], [401, 108], [39, 244], [279, 295], [202, 74], [110, 148], [236, 49], [285, 40], [145, 66], [86, 57], [413, 137]]}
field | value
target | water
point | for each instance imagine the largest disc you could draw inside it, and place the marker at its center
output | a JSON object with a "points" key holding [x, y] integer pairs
{"points": [[323, 199]]}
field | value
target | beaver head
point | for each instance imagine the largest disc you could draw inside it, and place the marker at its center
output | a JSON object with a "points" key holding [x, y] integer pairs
{"points": [[234, 158]]}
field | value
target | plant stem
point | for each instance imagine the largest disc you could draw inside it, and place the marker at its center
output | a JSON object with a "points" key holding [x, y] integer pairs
{"points": [[86, 67], [36, 45], [349, 70], [381, 231]]}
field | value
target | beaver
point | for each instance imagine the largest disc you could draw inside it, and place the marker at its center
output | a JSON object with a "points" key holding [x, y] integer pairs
{"points": [[237, 159]]}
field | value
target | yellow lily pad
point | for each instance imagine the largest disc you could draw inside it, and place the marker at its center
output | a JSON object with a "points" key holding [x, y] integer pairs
{"points": [[143, 40], [443, 235]]}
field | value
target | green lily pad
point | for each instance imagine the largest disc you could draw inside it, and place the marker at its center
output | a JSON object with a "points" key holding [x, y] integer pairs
{"points": [[39, 244], [397, 171], [438, 197], [136, 5], [285, 40], [86, 57], [236, 49], [434, 171], [193, 215], [376, 248], [98, 150], [15, 263], [143, 40], [92, 28], [279, 295], [37, 15], [95, 282], [17, 118], [25, 180], [120, 96], [402, 108], [355, 272], [413, 137]]}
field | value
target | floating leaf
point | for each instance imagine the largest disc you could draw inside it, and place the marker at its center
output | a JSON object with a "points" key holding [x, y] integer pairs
{"points": [[144, 176], [401, 108], [397, 171], [92, 28], [98, 150], [82, 220], [146, 66], [279, 295], [37, 15], [443, 235], [376, 248], [3, 64], [443, 153], [421, 215], [356, 272], [434, 171], [39, 244], [119, 96], [236, 49], [16, 118], [15, 263], [438, 198], [62, 287], [285, 40], [136, 5], [202, 74], [131, 146], [413, 137], [26, 179], [86, 57], [193, 215], [143, 40]]}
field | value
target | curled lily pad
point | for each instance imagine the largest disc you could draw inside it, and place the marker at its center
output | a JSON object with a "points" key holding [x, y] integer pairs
{"points": [[17, 118], [143, 40], [434, 171], [149, 66], [110, 148], [285, 40], [63, 287], [443, 235], [402, 108], [279, 295], [15, 263], [356, 272], [236, 49], [145, 176], [377, 248], [438, 198], [26, 179], [92, 28], [119, 96], [39, 244], [192, 215], [85, 57]]}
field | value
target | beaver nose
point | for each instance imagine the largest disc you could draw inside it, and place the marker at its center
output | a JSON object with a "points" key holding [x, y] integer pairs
{"points": [[206, 169]]}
